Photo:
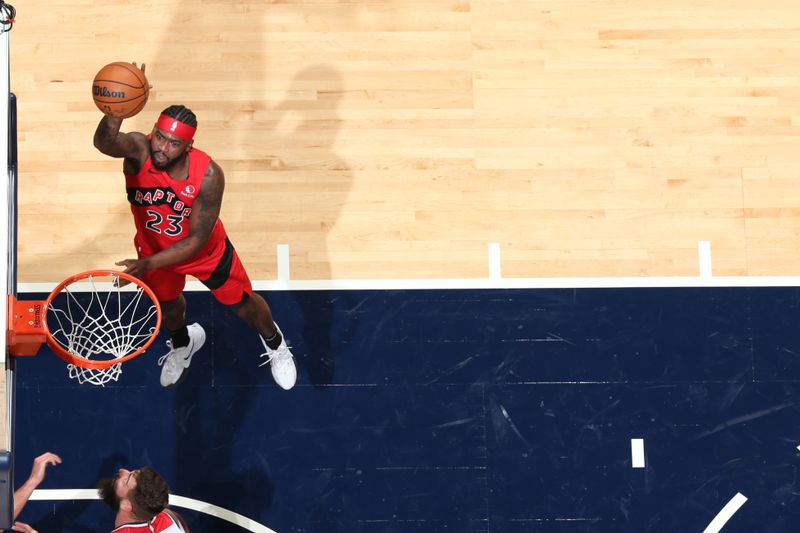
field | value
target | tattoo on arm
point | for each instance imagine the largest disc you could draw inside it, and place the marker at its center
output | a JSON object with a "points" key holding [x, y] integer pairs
{"points": [[205, 210]]}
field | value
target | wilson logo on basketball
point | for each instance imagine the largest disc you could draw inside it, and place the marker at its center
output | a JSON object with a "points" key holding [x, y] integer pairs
{"points": [[99, 90]]}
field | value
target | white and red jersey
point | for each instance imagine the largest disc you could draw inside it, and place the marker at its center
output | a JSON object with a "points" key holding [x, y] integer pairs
{"points": [[164, 522], [161, 206]]}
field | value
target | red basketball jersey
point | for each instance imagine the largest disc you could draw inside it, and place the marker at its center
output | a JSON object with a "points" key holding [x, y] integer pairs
{"points": [[166, 521], [161, 206]]}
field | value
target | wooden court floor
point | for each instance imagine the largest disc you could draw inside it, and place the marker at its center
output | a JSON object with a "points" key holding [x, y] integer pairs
{"points": [[396, 139]]}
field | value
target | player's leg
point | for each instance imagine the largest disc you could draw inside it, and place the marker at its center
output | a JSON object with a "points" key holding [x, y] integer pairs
{"points": [[185, 340], [230, 285], [173, 315], [254, 311]]}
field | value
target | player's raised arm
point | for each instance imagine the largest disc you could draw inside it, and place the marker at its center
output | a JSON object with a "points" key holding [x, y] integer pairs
{"points": [[23, 493], [112, 142], [120, 90]]}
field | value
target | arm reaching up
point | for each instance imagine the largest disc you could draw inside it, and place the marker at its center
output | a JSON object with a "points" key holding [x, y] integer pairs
{"points": [[23, 493]]}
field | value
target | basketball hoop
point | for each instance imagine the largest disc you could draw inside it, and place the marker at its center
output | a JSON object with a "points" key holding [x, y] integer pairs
{"points": [[95, 321]]}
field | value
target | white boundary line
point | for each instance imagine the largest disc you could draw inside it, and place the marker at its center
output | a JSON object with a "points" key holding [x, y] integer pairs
{"points": [[495, 271], [725, 513], [177, 501], [284, 274], [704, 254], [479, 283], [494, 281], [637, 453]]}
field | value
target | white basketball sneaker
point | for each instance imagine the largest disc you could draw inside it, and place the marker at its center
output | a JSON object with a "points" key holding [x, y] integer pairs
{"points": [[177, 361], [284, 370]]}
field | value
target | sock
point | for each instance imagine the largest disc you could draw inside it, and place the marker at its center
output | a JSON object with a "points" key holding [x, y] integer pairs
{"points": [[180, 337], [274, 341]]}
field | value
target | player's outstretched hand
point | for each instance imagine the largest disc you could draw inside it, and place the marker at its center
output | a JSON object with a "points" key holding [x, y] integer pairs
{"points": [[142, 68], [40, 465], [134, 267]]}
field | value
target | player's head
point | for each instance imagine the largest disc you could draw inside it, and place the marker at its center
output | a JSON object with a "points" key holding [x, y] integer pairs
{"points": [[143, 492], [172, 136]]}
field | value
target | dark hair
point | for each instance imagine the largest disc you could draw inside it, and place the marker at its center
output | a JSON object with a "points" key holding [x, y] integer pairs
{"points": [[151, 494], [181, 113], [105, 487]]}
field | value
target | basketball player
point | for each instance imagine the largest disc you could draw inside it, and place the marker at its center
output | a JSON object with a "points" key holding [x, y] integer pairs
{"points": [[140, 499], [24, 491], [175, 193]]}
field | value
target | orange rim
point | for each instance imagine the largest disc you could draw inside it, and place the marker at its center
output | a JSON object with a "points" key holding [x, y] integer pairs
{"points": [[77, 360]]}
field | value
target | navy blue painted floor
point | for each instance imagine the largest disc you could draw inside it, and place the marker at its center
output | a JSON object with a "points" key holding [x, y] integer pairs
{"points": [[502, 411]]}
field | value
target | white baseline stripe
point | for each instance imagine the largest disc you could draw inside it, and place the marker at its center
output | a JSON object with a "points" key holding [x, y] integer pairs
{"points": [[177, 501], [494, 281], [480, 283], [725, 513]]}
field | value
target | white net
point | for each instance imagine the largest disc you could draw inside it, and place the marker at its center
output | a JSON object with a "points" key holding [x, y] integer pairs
{"points": [[97, 320], [95, 376]]}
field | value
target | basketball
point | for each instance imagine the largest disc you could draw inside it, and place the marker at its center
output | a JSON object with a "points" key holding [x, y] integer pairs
{"points": [[120, 89]]}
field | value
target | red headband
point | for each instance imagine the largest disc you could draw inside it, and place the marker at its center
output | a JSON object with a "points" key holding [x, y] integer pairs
{"points": [[174, 126]]}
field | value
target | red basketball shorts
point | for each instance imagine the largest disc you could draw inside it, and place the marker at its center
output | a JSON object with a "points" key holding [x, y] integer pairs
{"points": [[219, 269]]}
